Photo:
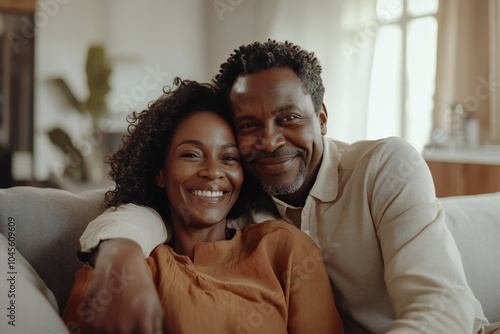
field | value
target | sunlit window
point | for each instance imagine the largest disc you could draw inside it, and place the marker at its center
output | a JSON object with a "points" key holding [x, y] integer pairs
{"points": [[403, 74]]}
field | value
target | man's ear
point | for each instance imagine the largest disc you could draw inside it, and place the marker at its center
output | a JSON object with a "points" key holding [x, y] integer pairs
{"points": [[323, 118]]}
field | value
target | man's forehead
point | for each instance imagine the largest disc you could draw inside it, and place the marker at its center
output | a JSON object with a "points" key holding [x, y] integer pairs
{"points": [[266, 83]]}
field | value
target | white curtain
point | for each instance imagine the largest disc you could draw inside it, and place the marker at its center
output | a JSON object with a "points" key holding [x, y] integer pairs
{"points": [[494, 30], [341, 33], [463, 69]]}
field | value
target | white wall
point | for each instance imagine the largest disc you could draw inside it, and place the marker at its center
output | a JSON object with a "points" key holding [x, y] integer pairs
{"points": [[318, 26], [165, 37], [148, 44], [188, 38]]}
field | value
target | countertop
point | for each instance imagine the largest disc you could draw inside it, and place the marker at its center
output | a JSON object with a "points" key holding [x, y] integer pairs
{"points": [[483, 155]]}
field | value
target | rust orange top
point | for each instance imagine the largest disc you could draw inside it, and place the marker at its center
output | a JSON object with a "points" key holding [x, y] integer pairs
{"points": [[269, 278]]}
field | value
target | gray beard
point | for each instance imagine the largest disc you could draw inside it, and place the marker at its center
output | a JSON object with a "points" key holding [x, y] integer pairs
{"points": [[287, 188]]}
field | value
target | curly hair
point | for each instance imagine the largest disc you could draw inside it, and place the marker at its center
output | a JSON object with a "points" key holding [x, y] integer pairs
{"points": [[135, 166], [252, 58]]}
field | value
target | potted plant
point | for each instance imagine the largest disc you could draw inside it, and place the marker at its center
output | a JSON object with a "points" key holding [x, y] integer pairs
{"points": [[86, 165]]}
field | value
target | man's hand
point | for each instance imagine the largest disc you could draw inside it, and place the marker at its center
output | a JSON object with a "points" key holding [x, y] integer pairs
{"points": [[122, 294]]}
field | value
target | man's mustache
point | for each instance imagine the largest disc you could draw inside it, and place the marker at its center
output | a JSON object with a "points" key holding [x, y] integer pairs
{"points": [[281, 152]]}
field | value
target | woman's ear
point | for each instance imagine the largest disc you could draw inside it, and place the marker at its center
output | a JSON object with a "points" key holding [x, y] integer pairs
{"points": [[160, 179], [323, 118]]}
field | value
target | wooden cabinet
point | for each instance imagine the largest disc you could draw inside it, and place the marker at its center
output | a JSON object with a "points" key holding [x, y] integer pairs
{"points": [[456, 178], [26, 6]]}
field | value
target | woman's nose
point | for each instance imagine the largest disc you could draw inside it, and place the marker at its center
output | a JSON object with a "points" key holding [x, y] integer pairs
{"points": [[212, 169]]}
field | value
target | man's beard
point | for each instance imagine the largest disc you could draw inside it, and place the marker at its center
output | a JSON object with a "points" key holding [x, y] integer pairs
{"points": [[287, 188]]}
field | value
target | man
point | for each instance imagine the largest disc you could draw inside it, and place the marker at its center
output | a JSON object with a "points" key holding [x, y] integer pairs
{"points": [[370, 206]]}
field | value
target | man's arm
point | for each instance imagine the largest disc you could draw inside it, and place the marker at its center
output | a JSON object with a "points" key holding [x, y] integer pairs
{"points": [[121, 271], [129, 221], [116, 244], [423, 269]]}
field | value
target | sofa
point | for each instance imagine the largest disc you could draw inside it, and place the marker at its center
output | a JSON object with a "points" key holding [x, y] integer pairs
{"points": [[45, 225]]}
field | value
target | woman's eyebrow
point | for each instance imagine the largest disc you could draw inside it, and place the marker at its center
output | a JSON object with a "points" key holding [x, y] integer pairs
{"points": [[200, 143]]}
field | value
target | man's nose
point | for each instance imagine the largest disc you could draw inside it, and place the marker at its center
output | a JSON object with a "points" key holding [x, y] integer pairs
{"points": [[271, 138]]}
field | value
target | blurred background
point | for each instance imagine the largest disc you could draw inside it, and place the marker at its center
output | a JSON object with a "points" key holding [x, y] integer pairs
{"points": [[72, 70]]}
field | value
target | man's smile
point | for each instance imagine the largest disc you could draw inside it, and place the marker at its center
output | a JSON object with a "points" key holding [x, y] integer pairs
{"points": [[275, 166]]}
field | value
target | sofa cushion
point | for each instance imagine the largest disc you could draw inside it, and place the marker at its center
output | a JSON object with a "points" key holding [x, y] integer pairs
{"points": [[474, 221], [48, 224], [26, 296]]}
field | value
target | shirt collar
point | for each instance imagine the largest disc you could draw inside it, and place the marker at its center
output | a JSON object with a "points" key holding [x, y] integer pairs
{"points": [[325, 187]]}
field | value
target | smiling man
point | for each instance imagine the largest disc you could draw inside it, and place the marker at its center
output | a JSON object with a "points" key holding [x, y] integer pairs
{"points": [[279, 131], [370, 205]]}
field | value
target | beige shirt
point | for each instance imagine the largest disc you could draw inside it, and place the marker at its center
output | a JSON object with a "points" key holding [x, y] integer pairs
{"points": [[393, 264]]}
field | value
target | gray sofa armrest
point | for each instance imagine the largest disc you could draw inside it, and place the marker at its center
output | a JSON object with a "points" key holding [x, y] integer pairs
{"points": [[48, 224]]}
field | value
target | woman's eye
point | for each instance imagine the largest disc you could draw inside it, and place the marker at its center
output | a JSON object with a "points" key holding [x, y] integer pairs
{"points": [[189, 155], [231, 158]]}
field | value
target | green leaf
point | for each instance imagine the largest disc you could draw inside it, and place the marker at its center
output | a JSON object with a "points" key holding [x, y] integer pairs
{"points": [[98, 73], [68, 95], [75, 163]]}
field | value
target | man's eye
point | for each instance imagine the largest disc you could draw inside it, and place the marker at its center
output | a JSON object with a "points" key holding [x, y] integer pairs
{"points": [[288, 118], [246, 127]]}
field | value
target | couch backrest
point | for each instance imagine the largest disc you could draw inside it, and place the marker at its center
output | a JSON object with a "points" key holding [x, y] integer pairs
{"points": [[474, 222], [48, 224]]}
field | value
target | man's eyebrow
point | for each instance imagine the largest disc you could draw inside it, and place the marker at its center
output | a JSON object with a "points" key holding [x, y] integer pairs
{"points": [[274, 112], [285, 108]]}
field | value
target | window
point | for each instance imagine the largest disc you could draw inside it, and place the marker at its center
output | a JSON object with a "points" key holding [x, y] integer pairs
{"points": [[402, 80]]}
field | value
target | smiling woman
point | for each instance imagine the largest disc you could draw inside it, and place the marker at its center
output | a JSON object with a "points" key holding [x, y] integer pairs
{"points": [[180, 166], [202, 176]]}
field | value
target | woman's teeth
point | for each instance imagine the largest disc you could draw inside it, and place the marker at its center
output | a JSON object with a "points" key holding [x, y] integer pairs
{"points": [[207, 193]]}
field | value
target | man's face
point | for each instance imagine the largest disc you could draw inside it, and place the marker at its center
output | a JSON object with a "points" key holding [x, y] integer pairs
{"points": [[279, 133]]}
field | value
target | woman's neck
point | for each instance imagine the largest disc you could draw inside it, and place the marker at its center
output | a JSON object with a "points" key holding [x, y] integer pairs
{"points": [[187, 237]]}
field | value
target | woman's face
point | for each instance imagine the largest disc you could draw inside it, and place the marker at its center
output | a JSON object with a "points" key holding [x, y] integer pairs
{"points": [[202, 173]]}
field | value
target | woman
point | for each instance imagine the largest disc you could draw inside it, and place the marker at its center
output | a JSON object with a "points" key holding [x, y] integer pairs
{"points": [[181, 164]]}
